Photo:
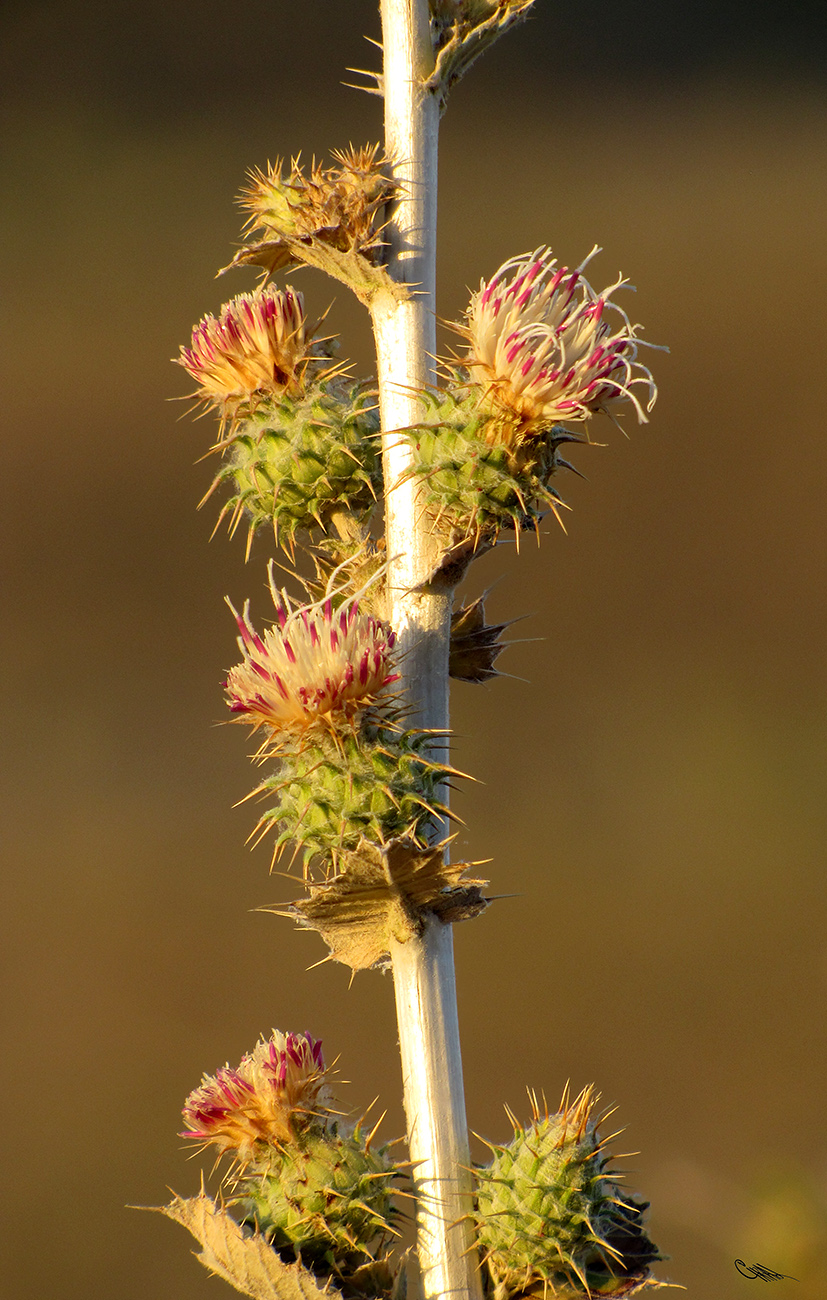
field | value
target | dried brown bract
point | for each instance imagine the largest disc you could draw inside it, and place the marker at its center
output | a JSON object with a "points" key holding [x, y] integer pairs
{"points": [[462, 30], [383, 893], [331, 218]]}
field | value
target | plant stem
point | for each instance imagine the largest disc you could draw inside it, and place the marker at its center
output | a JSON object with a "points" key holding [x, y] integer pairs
{"points": [[420, 612]]}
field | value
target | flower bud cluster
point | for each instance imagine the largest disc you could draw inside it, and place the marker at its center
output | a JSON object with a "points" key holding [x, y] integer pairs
{"points": [[352, 787], [298, 213]]}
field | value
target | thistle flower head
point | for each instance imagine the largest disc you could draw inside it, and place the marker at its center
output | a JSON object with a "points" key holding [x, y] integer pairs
{"points": [[315, 663], [257, 345], [279, 1087], [542, 349]]}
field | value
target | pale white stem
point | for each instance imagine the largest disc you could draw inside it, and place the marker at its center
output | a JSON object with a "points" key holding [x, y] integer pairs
{"points": [[420, 613], [426, 1008]]}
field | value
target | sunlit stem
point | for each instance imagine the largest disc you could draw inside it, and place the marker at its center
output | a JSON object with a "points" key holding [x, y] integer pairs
{"points": [[420, 612]]}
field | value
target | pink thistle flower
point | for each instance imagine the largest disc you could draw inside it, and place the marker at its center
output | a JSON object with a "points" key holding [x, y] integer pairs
{"points": [[258, 344], [542, 348], [278, 1087], [314, 663]]}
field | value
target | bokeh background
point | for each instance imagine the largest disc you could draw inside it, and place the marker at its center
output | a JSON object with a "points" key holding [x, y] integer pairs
{"points": [[652, 775]]}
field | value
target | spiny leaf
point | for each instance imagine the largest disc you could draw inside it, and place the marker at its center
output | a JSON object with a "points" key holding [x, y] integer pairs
{"points": [[475, 644], [384, 893], [246, 1262]]}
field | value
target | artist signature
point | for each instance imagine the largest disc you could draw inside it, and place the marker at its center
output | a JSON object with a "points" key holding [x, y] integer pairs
{"points": [[758, 1270]]}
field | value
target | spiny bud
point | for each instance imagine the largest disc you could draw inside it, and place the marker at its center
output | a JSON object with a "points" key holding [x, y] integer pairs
{"points": [[327, 1196], [551, 1215], [339, 206], [303, 462], [298, 435], [478, 476], [278, 1089], [541, 348]]}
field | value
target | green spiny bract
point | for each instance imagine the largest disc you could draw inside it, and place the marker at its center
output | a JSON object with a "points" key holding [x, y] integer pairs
{"points": [[328, 1196], [551, 1215], [297, 460], [479, 473], [368, 779]]}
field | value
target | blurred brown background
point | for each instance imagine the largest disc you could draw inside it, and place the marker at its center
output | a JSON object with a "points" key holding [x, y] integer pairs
{"points": [[653, 790]]}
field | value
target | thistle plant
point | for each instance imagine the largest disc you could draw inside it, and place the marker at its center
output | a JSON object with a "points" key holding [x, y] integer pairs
{"points": [[346, 690]]}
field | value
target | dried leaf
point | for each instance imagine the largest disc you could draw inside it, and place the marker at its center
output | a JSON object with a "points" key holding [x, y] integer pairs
{"points": [[475, 644], [246, 1262], [383, 893], [465, 32]]}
